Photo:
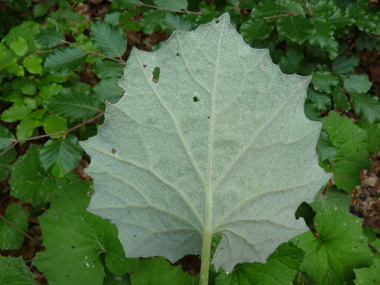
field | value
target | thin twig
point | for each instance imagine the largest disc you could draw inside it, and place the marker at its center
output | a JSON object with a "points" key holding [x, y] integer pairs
{"points": [[9, 148], [167, 10], [308, 7], [94, 53], [15, 142], [17, 228], [278, 16], [39, 51]]}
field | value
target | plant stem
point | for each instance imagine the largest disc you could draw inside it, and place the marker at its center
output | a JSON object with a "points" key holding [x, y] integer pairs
{"points": [[205, 265], [94, 53], [16, 227], [308, 7], [207, 239], [52, 134], [279, 16]]}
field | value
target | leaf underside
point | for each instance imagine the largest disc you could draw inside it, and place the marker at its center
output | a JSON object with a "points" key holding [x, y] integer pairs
{"points": [[220, 135]]}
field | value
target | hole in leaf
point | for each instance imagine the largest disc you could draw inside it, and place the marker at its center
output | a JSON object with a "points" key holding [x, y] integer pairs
{"points": [[134, 236], [195, 99], [217, 21], [177, 54], [208, 117], [156, 74], [89, 194], [113, 151], [144, 65], [73, 247]]}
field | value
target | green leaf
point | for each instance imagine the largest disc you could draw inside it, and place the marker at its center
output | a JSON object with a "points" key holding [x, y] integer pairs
{"points": [[208, 13], [57, 77], [107, 89], [218, 121], [32, 102], [3, 52], [247, 4], [332, 48], [311, 110], [296, 6], [357, 83], [50, 90], [373, 135], [297, 28], [322, 100], [126, 4], [324, 81], [16, 113], [33, 64], [341, 246], [323, 7], [78, 250], [5, 159], [64, 60], [26, 127], [367, 106], [268, 8], [5, 138], [352, 155], [280, 268], [74, 104], [345, 63], [27, 86], [325, 149], [369, 275], [49, 37], [19, 47], [26, 30], [15, 272], [112, 279], [255, 29], [107, 68], [11, 237], [30, 182], [152, 21], [15, 69], [159, 271], [176, 22], [340, 19], [176, 5], [38, 114], [323, 32], [340, 99], [39, 10], [369, 22], [113, 17], [109, 39], [292, 61], [60, 156], [53, 124]]}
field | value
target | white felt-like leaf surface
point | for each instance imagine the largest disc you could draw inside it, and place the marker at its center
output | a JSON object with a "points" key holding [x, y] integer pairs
{"points": [[217, 143]]}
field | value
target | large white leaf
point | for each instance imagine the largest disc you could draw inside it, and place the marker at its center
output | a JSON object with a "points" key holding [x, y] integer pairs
{"points": [[217, 143]]}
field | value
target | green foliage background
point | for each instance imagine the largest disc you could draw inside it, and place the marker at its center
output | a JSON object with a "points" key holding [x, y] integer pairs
{"points": [[58, 65]]}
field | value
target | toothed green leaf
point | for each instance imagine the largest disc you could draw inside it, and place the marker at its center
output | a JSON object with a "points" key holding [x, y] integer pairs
{"points": [[183, 153]]}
